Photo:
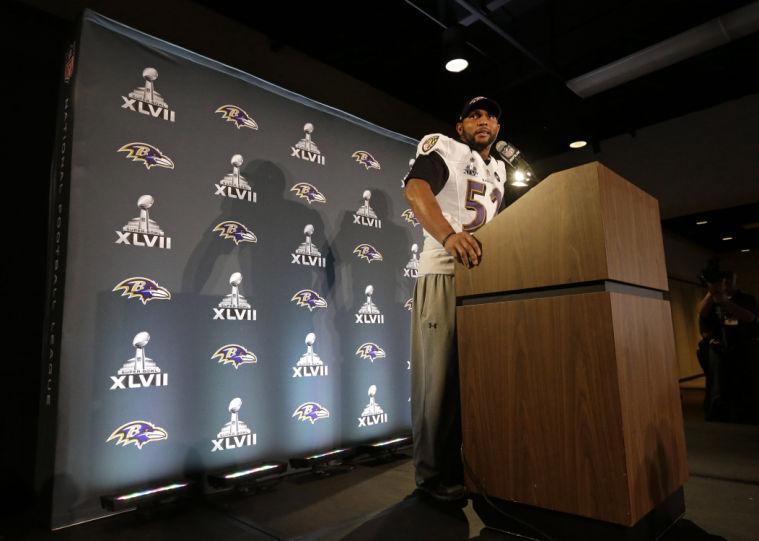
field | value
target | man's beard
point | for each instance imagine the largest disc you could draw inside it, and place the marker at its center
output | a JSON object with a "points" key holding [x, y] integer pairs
{"points": [[474, 145]]}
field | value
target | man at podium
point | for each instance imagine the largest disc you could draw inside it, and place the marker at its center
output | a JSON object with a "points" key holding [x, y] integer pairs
{"points": [[454, 188]]}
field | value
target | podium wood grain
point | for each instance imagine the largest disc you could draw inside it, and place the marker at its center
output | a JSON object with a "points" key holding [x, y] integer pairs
{"points": [[582, 416], [578, 225]]}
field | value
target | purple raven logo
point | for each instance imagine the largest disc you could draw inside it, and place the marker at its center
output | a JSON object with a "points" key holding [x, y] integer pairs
{"points": [[370, 351], [235, 231], [310, 299], [137, 432], [142, 288], [149, 155], [368, 252], [309, 192], [234, 114], [410, 217], [311, 411], [409, 304], [366, 159], [235, 355]]}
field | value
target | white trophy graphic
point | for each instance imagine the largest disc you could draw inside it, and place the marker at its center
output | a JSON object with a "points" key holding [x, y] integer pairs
{"points": [[235, 179], [148, 93], [365, 210], [307, 144], [372, 408], [309, 358], [140, 363], [235, 427], [412, 267], [235, 299], [143, 223], [369, 308]]}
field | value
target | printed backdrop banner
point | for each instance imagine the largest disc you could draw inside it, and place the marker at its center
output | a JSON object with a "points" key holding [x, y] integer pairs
{"points": [[238, 265]]}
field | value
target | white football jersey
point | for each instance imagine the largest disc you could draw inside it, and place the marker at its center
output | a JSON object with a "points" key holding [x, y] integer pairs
{"points": [[469, 199]]}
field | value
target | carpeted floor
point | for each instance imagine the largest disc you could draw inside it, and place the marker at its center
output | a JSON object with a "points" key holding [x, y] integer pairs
{"points": [[377, 502]]}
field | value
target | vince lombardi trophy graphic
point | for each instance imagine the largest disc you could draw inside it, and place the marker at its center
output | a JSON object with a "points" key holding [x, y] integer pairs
{"points": [[140, 363], [235, 427], [413, 263], [235, 299], [148, 93], [306, 143], [309, 358], [372, 408], [307, 247], [235, 179], [365, 210], [369, 307], [143, 223]]}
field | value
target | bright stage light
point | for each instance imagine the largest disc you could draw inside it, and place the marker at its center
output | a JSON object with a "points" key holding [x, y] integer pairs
{"points": [[319, 459], [247, 476], [456, 65], [150, 496]]}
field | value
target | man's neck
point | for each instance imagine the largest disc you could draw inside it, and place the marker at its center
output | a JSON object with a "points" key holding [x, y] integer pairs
{"points": [[484, 153]]}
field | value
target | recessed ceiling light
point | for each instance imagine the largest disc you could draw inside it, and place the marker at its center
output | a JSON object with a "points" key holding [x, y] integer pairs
{"points": [[578, 144], [745, 250], [727, 238], [702, 222], [456, 65]]}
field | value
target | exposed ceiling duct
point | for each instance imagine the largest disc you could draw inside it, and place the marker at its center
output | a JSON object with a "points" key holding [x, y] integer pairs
{"points": [[718, 31]]}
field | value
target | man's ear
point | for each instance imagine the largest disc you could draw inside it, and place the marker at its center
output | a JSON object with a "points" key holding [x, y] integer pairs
{"points": [[459, 128]]}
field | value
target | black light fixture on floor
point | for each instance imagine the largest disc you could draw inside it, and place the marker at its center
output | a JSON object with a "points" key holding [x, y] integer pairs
{"points": [[254, 475], [454, 50], [147, 497], [320, 462], [386, 447]]}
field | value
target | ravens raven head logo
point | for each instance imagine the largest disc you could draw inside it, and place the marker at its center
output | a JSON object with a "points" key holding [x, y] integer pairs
{"points": [[311, 411], [370, 351], [137, 432], [235, 355], [309, 192], [142, 288], [234, 114], [310, 299], [410, 217], [368, 252], [147, 154], [366, 159], [235, 231], [409, 304]]}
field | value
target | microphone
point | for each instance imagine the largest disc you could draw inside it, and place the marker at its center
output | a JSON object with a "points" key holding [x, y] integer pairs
{"points": [[521, 172]]}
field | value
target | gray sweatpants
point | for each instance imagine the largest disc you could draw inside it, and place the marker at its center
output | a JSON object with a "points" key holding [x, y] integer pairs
{"points": [[435, 404]]}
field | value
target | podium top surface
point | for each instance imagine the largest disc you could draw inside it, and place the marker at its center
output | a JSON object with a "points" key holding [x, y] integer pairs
{"points": [[580, 225]]}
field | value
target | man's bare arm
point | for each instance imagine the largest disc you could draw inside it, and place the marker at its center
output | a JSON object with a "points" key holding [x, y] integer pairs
{"points": [[462, 246]]}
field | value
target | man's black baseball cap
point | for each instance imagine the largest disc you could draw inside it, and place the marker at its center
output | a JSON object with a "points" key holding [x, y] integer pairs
{"points": [[481, 102]]}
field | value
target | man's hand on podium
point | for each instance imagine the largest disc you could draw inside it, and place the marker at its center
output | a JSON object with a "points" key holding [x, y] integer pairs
{"points": [[465, 248]]}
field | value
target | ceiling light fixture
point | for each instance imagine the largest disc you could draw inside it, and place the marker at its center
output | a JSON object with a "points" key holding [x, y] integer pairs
{"points": [[578, 144], [727, 238], [702, 222], [454, 55]]}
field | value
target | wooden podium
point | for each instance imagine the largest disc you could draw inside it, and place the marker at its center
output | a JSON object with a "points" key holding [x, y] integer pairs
{"points": [[570, 404]]}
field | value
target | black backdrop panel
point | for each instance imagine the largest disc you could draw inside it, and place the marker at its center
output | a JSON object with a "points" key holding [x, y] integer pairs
{"points": [[215, 382]]}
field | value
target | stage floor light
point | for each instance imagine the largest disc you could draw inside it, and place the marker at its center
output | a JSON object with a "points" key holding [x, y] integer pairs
{"points": [[386, 447], [252, 476], [323, 460], [147, 497]]}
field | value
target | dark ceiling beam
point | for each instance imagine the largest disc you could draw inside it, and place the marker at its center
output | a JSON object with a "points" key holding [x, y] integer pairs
{"points": [[719, 31], [484, 17], [491, 7]]}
